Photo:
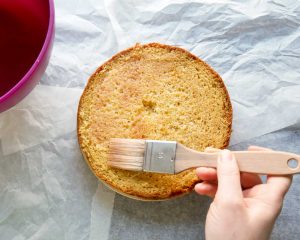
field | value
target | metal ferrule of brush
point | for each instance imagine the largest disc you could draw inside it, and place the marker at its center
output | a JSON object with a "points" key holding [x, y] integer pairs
{"points": [[160, 156]]}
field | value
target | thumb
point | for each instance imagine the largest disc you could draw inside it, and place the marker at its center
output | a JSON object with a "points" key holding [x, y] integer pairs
{"points": [[229, 182]]}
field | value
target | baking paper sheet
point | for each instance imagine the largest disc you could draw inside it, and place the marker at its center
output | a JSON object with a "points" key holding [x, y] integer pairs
{"points": [[46, 190], [48, 112], [102, 207]]}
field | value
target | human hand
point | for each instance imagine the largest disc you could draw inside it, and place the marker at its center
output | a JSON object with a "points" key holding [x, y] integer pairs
{"points": [[243, 208]]}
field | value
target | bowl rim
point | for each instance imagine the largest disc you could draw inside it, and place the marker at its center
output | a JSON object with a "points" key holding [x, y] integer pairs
{"points": [[42, 53]]}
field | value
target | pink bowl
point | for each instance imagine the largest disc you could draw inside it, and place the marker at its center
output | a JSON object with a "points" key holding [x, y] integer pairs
{"points": [[27, 33]]}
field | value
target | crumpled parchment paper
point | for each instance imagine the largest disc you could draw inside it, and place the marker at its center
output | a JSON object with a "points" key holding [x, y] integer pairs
{"points": [[47, 190]]}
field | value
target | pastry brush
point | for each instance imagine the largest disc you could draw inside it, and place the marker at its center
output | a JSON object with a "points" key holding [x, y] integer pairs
{"points": [[172, 157]]}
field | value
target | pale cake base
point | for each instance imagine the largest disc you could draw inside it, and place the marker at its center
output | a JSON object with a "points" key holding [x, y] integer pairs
{"points": [[152, 91]]}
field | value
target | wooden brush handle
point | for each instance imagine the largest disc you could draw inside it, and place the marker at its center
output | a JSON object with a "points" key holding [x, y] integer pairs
{"points": [[260, 162]]}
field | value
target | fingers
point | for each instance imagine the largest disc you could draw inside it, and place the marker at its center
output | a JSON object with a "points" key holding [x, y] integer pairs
{"points": [[206, 188], [249, 180], [212, 150], [229, 184], [206, 174], [257, 148], [279, 185]]}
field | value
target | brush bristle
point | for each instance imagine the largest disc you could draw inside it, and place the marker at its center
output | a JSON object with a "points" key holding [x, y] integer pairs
{"points": [[126, 154]]}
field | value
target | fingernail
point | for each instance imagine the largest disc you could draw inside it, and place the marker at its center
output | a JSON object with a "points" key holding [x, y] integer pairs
{"points": [[226, 155]]}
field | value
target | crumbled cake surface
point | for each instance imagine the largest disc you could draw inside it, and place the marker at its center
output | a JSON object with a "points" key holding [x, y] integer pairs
{"points": [[152, 91]]}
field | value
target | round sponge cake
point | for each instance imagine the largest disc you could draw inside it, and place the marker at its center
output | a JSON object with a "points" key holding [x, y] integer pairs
{"points": [[152, 91]]}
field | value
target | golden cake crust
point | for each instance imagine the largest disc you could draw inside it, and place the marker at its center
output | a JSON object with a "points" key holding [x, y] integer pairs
{"points": [[152, 91]]}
